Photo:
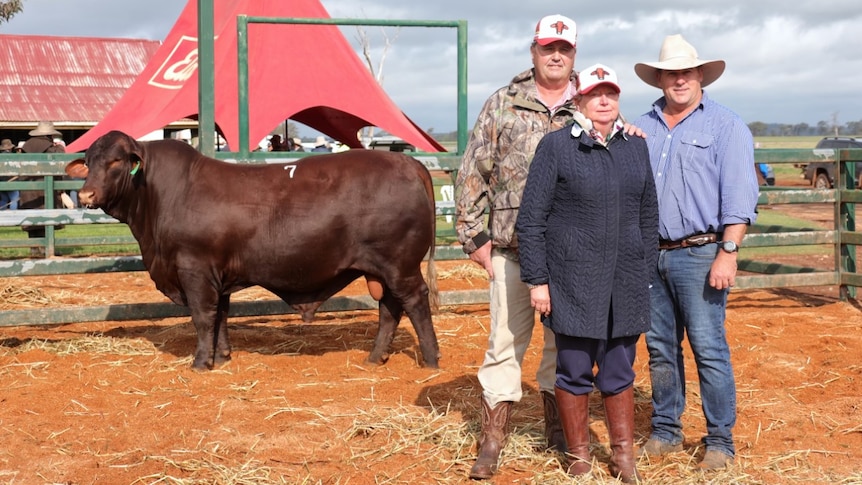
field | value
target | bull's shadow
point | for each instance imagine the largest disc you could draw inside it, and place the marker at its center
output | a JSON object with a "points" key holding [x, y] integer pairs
{"points": [[281, 335]]}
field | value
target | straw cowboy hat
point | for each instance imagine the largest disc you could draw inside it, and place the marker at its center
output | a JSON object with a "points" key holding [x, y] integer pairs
{"points": [[45, 128], [676, 55]]}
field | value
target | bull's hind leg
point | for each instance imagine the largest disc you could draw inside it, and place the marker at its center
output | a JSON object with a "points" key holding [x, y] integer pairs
{"points": [[410, 295], [390, 311], [419, 312]]}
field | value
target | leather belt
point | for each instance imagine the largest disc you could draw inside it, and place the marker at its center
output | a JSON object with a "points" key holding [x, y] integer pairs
{"points": [[696, 240]]}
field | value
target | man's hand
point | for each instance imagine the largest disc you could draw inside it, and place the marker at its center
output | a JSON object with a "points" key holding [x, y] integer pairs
{"points": [[482, 257], [633, 130], [722, 274]]}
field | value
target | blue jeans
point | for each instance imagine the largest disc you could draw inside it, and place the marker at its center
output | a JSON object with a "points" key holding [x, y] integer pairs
{"points": [[683, 304], [9, 199]]}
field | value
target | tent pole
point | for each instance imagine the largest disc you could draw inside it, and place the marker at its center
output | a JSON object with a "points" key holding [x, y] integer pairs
{"points": [[206, 78]]}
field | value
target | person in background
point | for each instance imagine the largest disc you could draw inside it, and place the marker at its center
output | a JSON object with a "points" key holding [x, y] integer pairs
{"points": [[320, 145], [276, 145], [702, 157], [41, 140], [588, 236], [492, 176], [297, 145], [8, 198]]}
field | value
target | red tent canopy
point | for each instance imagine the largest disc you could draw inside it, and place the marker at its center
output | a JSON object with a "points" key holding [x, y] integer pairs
{"points": [[331, 90]]}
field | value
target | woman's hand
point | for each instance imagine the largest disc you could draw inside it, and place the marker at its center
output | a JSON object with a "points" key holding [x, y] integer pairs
{"points": [[540, 299]]}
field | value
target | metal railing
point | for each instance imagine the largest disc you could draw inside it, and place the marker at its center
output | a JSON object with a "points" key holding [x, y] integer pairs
{"points": [[766, 274]]}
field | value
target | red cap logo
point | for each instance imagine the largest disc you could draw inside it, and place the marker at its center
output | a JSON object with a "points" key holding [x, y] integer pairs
{"points": [[599, 73], [559, 26]]}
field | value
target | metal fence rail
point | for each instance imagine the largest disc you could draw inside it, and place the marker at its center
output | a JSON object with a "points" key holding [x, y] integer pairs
{"points": [[843, 237]]}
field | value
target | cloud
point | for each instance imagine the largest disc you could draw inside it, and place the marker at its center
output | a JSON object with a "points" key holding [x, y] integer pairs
{"points": [[787, 62]]}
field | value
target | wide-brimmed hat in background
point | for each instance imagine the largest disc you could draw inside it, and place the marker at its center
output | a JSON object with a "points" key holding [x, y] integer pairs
{"points": [[6, 144], [45, 128], [676, 55], [556, 27], [596, 75]]}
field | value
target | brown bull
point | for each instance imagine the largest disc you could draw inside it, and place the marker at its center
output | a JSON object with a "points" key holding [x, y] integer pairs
{"points": [[302, 230]]}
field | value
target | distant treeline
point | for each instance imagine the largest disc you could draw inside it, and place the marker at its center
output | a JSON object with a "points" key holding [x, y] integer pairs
{"points": [[822, 128], [758, 128]]}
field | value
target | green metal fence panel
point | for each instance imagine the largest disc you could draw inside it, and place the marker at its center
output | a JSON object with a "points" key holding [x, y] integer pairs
{"points": [[147, 311]]}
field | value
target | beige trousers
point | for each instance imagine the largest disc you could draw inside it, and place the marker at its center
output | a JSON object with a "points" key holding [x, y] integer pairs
{"points": [[512, 324]]}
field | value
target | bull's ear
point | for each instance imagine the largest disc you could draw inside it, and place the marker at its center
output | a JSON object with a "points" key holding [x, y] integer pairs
{"points": [[136, 151], [77, 169]]}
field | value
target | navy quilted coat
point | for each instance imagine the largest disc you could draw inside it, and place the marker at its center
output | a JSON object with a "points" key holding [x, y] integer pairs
{"points": [[588, 226]]}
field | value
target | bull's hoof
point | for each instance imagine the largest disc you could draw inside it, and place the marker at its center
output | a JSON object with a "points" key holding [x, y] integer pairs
{"points": [[378, 360], [202, 365], [220, 360], [432, 363]]}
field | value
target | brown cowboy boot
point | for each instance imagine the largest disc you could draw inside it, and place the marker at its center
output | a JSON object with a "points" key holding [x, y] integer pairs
{"points": [[575, 419], [553, 430], [620, 413], [495, 432]]}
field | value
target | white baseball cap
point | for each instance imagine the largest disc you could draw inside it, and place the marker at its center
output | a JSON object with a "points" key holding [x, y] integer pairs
{"points": [[596, 75], [556, 27]]}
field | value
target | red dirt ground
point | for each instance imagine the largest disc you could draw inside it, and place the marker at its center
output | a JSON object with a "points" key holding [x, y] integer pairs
{"points": [[116, 402]]}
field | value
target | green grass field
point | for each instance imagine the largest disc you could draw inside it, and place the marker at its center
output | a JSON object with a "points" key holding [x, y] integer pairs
{"points": [[787, 141]]}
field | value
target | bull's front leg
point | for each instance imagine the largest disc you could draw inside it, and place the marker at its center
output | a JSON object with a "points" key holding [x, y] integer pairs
{"points": [[209, 312], [204, 322], [222, 350]]}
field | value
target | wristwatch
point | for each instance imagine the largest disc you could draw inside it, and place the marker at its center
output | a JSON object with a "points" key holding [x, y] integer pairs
{"points": [[729, 246]]}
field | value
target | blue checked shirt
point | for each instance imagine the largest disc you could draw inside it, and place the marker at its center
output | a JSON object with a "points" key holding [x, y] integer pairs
{"points": [[704, 170]]}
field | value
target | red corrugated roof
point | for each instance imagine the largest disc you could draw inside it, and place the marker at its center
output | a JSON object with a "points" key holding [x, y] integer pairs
{"points": [[337, 97], [74, 80]]}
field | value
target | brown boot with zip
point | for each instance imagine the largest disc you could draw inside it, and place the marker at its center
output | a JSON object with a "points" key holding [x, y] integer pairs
{"points": [[575, 418], [620, 414], [495, 432], [554, 436]]}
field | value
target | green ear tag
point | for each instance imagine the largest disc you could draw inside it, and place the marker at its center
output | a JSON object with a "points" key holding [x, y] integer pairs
{"points": [[135, 170]]}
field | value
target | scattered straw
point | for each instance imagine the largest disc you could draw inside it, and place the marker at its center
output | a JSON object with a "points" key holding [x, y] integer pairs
{"points": [[463, 271], [92, 344], [16, 296]]}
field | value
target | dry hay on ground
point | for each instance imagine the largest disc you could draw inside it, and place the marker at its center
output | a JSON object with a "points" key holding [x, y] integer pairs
{"points": [[116, 402]]}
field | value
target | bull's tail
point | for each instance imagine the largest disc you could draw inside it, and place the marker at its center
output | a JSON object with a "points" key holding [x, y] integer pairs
{"points": [[431, 271], [433, 294]]}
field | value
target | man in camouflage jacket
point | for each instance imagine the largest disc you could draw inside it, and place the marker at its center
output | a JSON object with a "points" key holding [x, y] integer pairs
{"points": [[491, 178]]}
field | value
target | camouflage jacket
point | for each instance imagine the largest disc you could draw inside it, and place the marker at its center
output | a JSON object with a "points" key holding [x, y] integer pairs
{"points": [[493, 172]]}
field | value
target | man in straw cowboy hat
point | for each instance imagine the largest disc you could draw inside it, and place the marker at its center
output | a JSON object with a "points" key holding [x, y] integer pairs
{"points": [[41, 141], [702, 156]]}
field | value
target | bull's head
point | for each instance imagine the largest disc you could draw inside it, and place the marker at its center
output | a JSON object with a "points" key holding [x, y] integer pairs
{"points": [[110, 167]]}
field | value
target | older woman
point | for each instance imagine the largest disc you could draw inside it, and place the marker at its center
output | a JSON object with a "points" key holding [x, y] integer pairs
{"points": [[588, 237]]}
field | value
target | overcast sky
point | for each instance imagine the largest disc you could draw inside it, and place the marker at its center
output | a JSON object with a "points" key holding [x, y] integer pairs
{"points": [[787, 62]]}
